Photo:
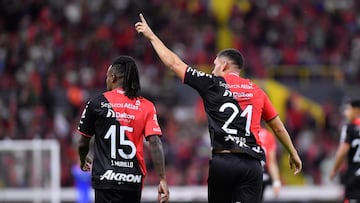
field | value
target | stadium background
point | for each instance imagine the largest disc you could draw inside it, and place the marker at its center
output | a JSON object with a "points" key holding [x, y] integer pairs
{"points": [[54, 56]]}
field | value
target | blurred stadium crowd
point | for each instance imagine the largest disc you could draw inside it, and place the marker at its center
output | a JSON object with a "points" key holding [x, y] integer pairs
{"points": [[54, 56]]}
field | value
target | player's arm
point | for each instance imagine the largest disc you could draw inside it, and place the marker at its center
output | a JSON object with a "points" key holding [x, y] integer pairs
{"points": [[339, 158], [283, 136], [157, 155], [83, 149], [169, 58]]}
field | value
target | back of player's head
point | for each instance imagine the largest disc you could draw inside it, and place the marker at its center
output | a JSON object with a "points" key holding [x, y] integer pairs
{"points": [[355, 103], [125, 67], [234, 55]]}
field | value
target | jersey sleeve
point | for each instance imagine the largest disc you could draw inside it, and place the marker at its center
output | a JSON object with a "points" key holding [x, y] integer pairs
{"points": [[198, 80], [152, 126], [87, 121], [269, 111]]}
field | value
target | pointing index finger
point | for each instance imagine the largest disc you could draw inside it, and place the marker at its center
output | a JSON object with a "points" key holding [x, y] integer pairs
{"points": [[142, 18]]}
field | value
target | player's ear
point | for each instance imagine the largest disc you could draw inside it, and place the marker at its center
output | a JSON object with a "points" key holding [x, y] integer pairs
{"points": [[225, 66], [113, 78]]}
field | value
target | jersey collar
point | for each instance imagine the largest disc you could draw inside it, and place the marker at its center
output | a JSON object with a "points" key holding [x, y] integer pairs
{"points": [[119, 90], [234, 74]]}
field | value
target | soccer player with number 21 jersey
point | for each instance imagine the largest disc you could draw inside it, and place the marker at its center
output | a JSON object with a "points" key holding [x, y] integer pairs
{"points": [[234, 107]]}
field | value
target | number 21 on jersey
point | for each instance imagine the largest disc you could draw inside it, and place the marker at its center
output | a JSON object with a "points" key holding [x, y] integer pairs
{"points": [[247, 112], [356, 143]]}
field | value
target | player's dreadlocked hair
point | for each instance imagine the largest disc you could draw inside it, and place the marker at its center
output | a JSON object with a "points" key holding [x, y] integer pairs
{"points": [[234, 55], [125, 67]]}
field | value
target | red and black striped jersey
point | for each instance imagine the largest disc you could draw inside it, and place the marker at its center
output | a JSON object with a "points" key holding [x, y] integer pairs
{"points": [[231, 111], [253, 100], [119, 125]]}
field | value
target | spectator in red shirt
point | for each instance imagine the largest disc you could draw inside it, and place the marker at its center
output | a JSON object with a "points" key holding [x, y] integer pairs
{"points": [[271, 171]]}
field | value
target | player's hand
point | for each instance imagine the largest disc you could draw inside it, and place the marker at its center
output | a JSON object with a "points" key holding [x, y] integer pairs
{"points": [[295, 163], [86, 165], [332, 175], [163, 192], [143, 27], [276, 188]]}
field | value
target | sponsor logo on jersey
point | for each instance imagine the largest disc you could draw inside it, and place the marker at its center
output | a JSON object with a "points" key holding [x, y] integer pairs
{"points": [[138, 102], [113, 114], [223, 84], [227, 92], [123, 177], [110, 105], [120, 105], [238, 95], [243, 95], [198, 73], [131, 106], [242, 86]]}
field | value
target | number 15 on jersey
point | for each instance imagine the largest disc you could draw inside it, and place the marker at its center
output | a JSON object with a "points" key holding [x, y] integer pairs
{"points": [[112, 135]]}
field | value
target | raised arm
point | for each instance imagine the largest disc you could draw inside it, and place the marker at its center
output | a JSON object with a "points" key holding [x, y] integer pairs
{"points": [[169, 58], [283, 136]]}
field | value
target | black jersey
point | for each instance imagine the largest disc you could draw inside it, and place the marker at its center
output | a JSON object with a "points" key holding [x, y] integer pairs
{"points": [[119, 125], [351, 135], [227, 127]]}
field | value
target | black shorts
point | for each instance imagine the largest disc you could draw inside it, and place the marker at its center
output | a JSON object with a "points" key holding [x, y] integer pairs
{"points": [[234, 178], [117, 196], [352, 186]]}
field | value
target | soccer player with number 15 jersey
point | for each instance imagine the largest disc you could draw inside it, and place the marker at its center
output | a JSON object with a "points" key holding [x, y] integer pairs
{"points": [[119, 119]]}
